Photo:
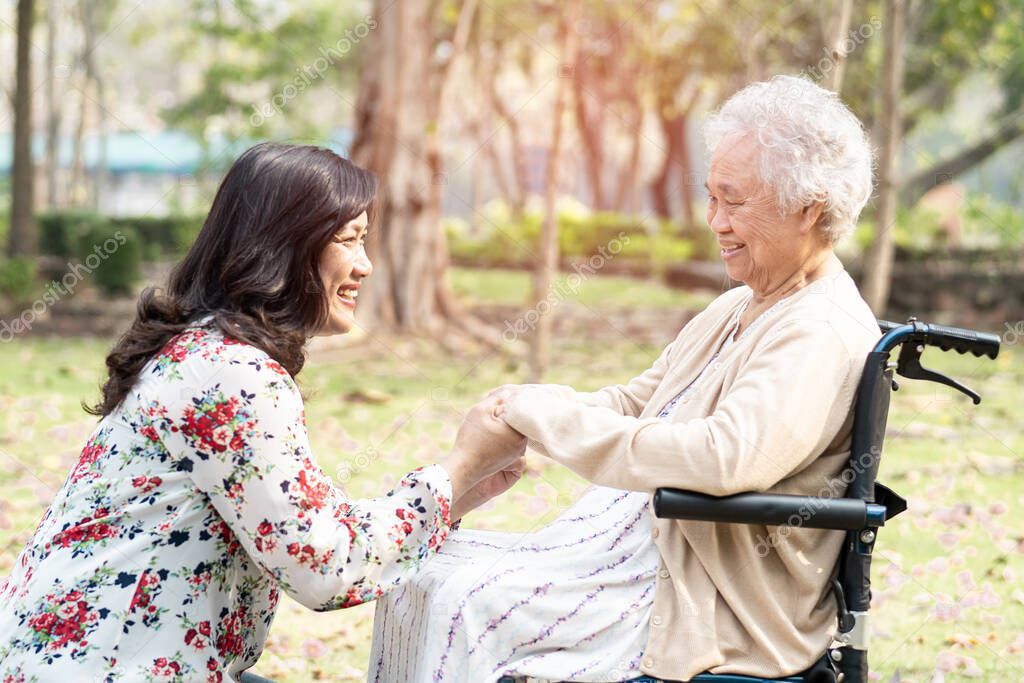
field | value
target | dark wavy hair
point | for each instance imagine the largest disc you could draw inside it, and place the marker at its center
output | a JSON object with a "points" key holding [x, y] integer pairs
{"points": [[254, 265]]}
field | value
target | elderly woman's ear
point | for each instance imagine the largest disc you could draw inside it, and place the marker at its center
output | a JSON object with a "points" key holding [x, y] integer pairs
{"points": [[810, 217]]}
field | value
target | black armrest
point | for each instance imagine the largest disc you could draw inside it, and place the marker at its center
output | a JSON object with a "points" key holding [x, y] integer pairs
{"points": [[770, 509]]}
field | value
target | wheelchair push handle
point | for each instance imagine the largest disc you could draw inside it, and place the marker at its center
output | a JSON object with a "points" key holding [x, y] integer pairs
{"points": [[946, 338]]}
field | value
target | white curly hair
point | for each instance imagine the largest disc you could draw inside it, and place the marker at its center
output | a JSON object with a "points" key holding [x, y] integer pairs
{"points": [[813, 148]]}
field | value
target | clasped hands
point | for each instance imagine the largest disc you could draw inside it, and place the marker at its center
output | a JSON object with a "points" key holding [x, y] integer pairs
{"points": [[487, 458]]}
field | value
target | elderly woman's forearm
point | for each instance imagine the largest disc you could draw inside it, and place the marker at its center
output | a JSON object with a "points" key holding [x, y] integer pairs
{"points": [[788, 406]]}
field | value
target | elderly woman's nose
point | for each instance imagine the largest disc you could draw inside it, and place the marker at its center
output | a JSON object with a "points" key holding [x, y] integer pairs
{"points": [[718, 220]]}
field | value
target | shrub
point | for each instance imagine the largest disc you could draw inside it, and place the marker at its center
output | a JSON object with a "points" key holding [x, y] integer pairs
{"points": [[118, 252], [162, 236], [61, 231], [512, 241], [18, 279], [159, 236]]}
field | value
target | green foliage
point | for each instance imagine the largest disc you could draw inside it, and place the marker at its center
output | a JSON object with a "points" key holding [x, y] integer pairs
{"points": [[169, 237], [986, 223], [259, 65], [949, 41], [17, 279], [113, 255], [164, 236], [60, 232], [513, 241]]}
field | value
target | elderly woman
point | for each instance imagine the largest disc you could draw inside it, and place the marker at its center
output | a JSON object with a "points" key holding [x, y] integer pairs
{"points": [[754, 394]]}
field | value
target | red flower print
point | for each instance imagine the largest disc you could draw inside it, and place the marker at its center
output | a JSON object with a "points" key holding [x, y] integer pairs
{"points": [[276, 367], [93, 450]]}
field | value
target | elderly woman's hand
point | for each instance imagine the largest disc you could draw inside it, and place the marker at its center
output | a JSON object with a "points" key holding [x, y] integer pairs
{"points": [[506, 391]]}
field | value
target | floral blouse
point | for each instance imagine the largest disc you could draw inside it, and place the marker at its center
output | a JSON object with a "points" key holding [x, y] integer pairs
{"points": [[191, 506]]}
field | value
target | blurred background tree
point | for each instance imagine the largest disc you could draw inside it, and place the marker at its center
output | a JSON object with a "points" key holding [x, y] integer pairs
{"points": [[451, 103]]}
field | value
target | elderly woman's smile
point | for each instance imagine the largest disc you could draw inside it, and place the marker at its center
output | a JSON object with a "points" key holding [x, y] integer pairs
{"points": [[762, 246]]}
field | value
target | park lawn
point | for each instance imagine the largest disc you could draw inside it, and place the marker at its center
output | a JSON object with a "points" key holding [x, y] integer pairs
{"points": [[946, 573]]}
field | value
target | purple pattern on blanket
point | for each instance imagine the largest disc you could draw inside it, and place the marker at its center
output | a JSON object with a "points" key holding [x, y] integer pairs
{"points": [[494, 623], [545, 548], [583, 518], [629, 527], [635, 663], [632, 664], [457, 619], [541, 590], [547, 630]]}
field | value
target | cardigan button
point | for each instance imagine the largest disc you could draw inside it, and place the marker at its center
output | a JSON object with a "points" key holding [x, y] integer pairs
{"points": [[648, 663], [656, 533], [656, 620], [663, 573]]}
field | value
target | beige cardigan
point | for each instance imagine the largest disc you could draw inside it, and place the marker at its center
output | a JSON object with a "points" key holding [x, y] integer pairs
{"points": [[773, 413]]}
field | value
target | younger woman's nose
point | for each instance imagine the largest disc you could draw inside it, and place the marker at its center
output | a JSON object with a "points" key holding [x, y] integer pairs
{"points": [[362, 264]]}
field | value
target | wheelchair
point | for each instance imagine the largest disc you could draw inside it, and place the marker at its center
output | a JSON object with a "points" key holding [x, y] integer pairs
{"points": [[866, 507]]}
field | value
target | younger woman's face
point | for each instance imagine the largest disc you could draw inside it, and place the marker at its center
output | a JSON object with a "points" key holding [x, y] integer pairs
{"points": [[343, 266]]}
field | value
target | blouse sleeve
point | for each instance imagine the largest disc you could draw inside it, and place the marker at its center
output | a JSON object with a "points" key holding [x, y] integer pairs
{"points": [[238, 427]]}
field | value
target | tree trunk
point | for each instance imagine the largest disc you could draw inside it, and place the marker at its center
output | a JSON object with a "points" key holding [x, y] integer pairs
{"points": [[837, 44], [547, 265], [628, 178], [22, 232], [878, 260], [670, 130], [686, 177], [90, 30], [590, 126], [397, 121], [52, 108], [77, 177], [519, 170], [673, 123]]}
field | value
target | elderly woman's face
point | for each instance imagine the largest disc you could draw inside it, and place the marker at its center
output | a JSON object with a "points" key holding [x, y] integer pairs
{"points": [[761, 247], [343, 265]]}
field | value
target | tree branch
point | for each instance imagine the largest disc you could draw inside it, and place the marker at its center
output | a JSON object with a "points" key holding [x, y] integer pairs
{"points": [[922, 181]]}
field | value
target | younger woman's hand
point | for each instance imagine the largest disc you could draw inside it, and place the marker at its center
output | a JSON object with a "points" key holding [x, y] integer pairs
{"points": [[488, 488]]}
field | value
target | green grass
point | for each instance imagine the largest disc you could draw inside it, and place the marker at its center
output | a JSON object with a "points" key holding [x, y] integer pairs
{"points": [[943, 453]]}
